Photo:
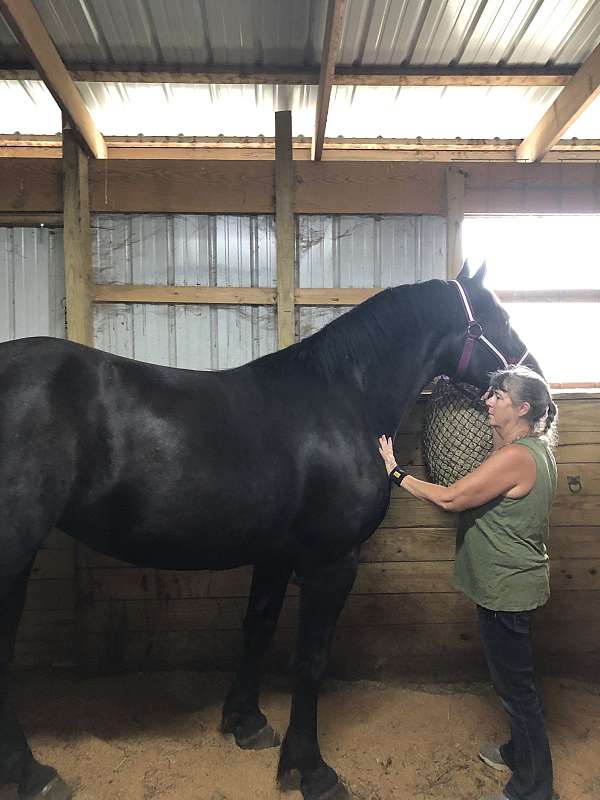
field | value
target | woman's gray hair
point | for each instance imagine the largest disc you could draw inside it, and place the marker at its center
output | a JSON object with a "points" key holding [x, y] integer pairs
{"points": [[523, 385]]}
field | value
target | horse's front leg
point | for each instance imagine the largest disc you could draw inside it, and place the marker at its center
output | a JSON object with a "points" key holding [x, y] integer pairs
{"points": [[324, 592], [241, 714]]}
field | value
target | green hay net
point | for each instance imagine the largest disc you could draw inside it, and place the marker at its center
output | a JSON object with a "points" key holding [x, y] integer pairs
{"points": [[456, 435]]}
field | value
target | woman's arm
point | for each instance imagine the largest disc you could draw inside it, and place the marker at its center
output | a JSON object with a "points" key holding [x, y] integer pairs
{"points": [[509, 472]]}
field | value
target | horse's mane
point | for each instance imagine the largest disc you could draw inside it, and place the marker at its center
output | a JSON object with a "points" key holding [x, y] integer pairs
{"points": [[363, 334]]}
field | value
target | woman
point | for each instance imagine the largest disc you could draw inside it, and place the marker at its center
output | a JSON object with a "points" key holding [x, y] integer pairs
{"points": [[501, 561]]}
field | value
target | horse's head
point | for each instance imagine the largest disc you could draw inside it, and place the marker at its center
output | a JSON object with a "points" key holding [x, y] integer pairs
{"points": [[487, 341]]}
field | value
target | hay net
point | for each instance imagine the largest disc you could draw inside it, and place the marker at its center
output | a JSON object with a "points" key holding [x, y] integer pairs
{"points": [[456, 436]]}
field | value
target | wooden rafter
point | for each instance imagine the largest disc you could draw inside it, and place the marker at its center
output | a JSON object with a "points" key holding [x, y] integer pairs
{"points": [[577, 95], [29, 29], [343, 76], [331, 45]]}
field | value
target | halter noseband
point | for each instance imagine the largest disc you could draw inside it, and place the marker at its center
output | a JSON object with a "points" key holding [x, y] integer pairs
{"points": [[474, 333]]}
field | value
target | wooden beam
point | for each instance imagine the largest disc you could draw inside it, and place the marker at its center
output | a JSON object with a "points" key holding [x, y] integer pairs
{"points": [[201, 295], [450, 76], [29, 29], [328, 187], [331, 45], [343, 76], [577, 95], [351, 297], [285, 228], [550, 296], [455, 199], [77, 242], [262, 148], [31, 220], [333, 296]]}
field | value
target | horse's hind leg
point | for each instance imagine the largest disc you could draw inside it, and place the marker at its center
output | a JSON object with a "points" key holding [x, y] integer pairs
{"points": [[241, 714], [35, 781]]}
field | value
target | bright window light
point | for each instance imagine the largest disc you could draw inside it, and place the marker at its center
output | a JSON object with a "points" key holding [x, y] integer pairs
{"points": [[545, 253]]}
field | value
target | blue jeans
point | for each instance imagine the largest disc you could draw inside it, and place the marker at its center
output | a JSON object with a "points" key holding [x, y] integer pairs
{"points": [[506, 637]]}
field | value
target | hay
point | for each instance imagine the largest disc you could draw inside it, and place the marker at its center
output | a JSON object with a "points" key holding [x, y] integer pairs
{"points": [[456, 435]]}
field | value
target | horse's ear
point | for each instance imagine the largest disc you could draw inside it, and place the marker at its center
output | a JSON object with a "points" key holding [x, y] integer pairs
{"points": [[481, 273], [464, 273]]}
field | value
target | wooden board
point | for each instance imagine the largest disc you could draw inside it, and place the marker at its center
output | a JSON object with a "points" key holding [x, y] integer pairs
{"points": [[336, 187]]}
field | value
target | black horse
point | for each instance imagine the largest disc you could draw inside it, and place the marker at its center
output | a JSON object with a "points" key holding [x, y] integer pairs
{"points": [[273, 464]]}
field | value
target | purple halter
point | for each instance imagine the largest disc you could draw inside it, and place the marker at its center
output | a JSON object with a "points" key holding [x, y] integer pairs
{"points": [[475, 333]]}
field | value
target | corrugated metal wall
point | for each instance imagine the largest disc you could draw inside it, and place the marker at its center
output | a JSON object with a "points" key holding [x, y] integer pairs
{"points": [[32, 283], [193, 251], [206, 250], [365, 252]]}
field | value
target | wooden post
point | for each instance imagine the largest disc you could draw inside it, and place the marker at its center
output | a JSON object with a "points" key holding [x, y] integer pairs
{"points": [[77, 241], [285, 228], [455, 199]]}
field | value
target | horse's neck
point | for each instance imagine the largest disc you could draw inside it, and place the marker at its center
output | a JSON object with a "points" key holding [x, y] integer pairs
{"points": [[410, 357]]}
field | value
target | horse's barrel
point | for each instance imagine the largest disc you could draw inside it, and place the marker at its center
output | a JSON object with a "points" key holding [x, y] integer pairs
{"points": [[456, 435]]}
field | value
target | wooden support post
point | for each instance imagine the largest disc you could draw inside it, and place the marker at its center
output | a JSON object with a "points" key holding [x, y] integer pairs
{"points": [[285, 228], [455, 197], [77, 241]]}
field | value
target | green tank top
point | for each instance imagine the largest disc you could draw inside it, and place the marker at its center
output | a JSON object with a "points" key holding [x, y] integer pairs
{"points": [[501, 558]]}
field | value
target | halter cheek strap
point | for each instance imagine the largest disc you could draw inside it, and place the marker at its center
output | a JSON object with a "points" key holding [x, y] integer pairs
{"points": [[474, 334]]}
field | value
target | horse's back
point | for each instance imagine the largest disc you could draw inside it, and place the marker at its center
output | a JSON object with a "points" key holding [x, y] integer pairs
{"points": [[181, 468]]}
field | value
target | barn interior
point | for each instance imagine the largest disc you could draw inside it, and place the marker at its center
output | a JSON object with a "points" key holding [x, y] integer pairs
{"points": [[198, 183]]}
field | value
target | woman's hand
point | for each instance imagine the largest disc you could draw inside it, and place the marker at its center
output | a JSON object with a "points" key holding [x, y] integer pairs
{"points": [[386, 451]]}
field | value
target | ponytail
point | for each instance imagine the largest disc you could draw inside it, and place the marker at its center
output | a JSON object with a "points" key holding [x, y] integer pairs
{"points": [[550, 433]]}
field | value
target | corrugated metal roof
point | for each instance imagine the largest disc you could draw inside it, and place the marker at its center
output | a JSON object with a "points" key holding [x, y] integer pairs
{"points": [[190, 34], [287, 32], [186, 32], [485, 32]]}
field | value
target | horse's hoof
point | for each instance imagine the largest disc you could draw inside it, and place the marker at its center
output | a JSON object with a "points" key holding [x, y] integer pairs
{"points": [[289, 781], [261, 740], [322, 788], [55, 789], [337, 792]]}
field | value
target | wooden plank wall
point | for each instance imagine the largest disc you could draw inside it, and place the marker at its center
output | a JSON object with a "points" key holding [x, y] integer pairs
{"points": [[403, 619]]}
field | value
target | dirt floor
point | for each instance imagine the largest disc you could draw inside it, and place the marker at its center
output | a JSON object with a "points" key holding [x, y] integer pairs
{"points": [[155, 737]]}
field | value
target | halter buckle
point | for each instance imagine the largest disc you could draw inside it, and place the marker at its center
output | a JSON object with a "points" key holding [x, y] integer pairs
{"points": [[474, 330]]}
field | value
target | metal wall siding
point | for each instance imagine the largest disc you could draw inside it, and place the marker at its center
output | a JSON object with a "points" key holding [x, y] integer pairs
{"points": [[365, 252], [203, 250], [368, 251], [210, 250], [32, 286]]}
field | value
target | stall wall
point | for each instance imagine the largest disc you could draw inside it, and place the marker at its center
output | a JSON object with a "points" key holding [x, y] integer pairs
{"points": [[404, 617]]}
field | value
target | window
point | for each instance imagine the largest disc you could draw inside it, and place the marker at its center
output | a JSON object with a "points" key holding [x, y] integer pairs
{"points": [[546, 271]]}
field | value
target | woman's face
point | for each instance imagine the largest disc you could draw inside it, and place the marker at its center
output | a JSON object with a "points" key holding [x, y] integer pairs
{"points": [[501, 411]]}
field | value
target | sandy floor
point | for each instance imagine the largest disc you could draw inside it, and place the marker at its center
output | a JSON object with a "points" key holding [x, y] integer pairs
{"points": [[155, 737]]}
